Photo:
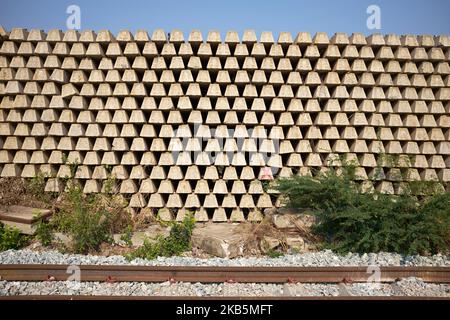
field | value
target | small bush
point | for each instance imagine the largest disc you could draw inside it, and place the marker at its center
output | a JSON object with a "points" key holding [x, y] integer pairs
{"points": [[36, 187], [44, 232], [351, 220], [10, 238], [178, 241], [89, 219], [430, 230], [274, 253], [127, 235]]}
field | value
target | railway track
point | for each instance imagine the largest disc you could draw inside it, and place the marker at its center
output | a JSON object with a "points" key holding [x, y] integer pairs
{"points": [[206, 274]]}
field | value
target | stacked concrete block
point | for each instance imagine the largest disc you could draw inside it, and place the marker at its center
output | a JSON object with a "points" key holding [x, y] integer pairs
{"points": [[200, 122]]}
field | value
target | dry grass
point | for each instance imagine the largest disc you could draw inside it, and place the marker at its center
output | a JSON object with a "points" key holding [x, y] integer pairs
{"points": [[144, 219], [256, 233], [17, 191], [304, 230]]}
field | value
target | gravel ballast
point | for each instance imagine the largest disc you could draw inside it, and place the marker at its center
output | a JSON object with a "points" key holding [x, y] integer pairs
{"points": [[404, 287], [321, 258]]}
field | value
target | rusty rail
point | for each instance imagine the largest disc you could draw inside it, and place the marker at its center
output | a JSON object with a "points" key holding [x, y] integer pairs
{"points": [[206, 274]]}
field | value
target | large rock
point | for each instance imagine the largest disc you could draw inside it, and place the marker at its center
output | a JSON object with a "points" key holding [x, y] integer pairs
{"points": [[295, 243], [150, 233], [293, 220], [62, 238], [269, 243], [219, 239], [23, 218], [283, 221]]}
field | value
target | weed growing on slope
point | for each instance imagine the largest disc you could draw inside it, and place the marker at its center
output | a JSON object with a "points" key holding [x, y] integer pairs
{"points": [[11, 238], [178, 241]]}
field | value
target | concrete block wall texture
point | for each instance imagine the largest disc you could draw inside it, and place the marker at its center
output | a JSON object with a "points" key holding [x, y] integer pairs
{"points": [[197, 123]]}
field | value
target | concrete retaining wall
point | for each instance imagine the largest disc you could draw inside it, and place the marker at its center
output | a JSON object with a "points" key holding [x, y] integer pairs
{"points": [[199, 123]]}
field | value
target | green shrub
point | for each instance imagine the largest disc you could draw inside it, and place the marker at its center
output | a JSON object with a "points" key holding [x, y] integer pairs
{"points": [[35, 187], [351, 220], [431, 228], [87, 228], [127, 235], [10, 238], [44, 232], [178, 241], [272, 253], [89, 219]]}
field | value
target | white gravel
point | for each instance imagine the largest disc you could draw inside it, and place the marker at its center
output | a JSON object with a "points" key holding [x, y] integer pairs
{"points": [[322, 258], [404, 287]]}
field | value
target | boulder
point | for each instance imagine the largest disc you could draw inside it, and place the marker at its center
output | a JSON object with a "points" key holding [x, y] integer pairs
{"points": [[270, 211], [23, 218], [283, 221], [65, 239], [295, 243], [219, 239], [293, 220], [269, 243], [149, 233], [305, 221]]}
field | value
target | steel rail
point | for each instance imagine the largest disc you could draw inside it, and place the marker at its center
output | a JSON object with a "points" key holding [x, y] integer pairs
{"points": [[209, 274]]}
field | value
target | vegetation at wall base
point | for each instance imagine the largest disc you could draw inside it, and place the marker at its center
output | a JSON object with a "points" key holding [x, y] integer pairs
{"points": [[272, 253], [89, 220], [354, 221], [11, 238], [44, 232], [178, 241]]}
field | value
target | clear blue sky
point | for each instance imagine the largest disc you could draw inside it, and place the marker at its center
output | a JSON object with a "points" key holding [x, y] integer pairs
{"points": [[397, 16]]}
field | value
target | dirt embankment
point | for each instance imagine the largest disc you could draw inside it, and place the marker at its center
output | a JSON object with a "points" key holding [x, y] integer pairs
{"points": [[16, 191]]}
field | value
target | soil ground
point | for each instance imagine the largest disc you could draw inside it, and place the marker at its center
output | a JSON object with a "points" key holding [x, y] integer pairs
{"points": [[15, 191]]}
